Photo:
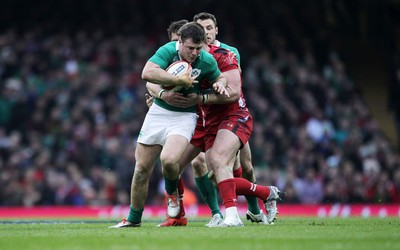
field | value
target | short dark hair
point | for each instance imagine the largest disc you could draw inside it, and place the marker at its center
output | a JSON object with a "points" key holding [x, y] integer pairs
{"points": [[194, 31], [204, 16], [175, 26]]}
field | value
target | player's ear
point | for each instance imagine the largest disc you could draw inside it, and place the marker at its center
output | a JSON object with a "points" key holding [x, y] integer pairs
{"points": [[216, 30]]}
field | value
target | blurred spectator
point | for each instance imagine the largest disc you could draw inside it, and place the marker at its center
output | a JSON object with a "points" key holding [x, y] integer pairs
{"points": [[394, 102], [310, 188], [72, 103]]}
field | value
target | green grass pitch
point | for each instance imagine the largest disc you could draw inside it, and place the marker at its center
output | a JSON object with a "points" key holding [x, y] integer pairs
{"points": [[288, 233]]}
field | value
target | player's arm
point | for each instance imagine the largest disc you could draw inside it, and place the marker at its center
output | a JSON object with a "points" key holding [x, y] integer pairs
{"points": [[233, 88], [172, 98], [155, 74], [220, 84], [154, 90], [149, 100]]}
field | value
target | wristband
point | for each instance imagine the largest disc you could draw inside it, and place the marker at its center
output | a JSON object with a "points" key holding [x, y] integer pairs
{"points": [[205, 98], [160, 93]]}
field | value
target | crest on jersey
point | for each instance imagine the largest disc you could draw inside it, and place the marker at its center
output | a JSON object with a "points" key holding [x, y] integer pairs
{"points": [[195, 72]]}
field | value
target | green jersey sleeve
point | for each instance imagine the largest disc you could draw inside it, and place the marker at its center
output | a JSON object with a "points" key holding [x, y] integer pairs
{"points": [[165, 55]]}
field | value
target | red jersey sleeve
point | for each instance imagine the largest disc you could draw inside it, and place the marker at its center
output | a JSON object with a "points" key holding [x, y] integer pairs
{"points": [[226, 60]]}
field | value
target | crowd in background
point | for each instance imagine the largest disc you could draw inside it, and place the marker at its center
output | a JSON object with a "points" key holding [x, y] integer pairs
{"points": [[72, 104]]}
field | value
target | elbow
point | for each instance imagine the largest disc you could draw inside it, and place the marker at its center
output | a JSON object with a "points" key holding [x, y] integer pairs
{"points": [[145, 75], [148, 71], [234, 95]]}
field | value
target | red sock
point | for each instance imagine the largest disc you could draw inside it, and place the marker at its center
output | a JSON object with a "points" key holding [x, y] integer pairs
{"points": [[245, 187], [181, 190], [227, 189], [237, 173], [182, 210], [181, 187]]}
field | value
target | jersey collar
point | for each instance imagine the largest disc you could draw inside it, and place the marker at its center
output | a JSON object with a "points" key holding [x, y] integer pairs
{"points": [[217, 43], [177, 50]]}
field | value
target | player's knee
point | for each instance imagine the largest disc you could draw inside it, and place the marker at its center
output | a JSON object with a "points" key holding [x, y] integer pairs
{"points": [[199, 168], [141, 174], [198, 162], [217, 160], [168, 161]]}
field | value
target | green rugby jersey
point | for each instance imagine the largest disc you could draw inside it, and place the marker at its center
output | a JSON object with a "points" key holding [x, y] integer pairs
{"points": [[204, 67]]}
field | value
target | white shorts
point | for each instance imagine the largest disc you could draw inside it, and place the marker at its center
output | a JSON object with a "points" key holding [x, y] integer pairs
{"points": [[160, 123]]}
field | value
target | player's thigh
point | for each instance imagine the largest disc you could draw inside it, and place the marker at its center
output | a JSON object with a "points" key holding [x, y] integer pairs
{"points": [[226, 145], [146, 157], [174, 147]]}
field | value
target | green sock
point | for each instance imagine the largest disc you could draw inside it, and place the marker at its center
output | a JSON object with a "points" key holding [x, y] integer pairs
{"points": [[209, 193], [171, 186], [252, 204], [135, 215]]}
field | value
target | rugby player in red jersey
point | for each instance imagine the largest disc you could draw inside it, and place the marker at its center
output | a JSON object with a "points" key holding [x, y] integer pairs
{"points": [[243, 166], [228, 128]]}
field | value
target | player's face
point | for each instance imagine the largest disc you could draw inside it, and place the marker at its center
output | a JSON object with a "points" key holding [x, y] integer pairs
{"points": [[210, 29], [189, 50], [174, 37]]}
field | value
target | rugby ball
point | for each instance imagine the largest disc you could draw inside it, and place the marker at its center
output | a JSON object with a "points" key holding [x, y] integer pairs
{"points": [[178, 68]]}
